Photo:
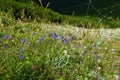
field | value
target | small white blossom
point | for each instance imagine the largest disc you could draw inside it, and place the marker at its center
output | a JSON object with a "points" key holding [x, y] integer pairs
{"points": [[65, 52], [99, 68], [84, 47], [99, 61], [116, 77], [112, 50]]}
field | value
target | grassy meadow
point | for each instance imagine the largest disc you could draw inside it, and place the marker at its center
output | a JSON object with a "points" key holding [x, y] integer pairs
{"points": [[39, 44], [39, 51]]}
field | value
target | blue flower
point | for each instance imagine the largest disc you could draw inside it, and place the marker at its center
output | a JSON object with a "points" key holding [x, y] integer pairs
{"points": [[20, 56], [41, 39], [95, 56], [34, 33], [22, 40], [71, 38], [64, 41], [94, 47], [55, 36], [7, 37], [94, 53]]}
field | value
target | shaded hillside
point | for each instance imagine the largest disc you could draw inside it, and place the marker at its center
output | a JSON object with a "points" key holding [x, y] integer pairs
{"points": [[80, 7], [29, 11]]}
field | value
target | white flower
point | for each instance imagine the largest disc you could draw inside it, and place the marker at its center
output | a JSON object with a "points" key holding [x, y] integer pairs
{"points": [[65, 52], [112, 50], [105, 48], [116, 77], [99, 61], [99, 68], [84, 47]]}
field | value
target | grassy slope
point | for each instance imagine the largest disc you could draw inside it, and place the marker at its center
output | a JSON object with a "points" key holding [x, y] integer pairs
{"points": [[44, 56], [30, 12]]}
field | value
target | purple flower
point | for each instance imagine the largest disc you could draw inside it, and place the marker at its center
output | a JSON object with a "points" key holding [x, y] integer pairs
{"points": [[95, 56], [55, 36], [41, 39], [64, 41], [94, 53], [94, 46], [20, 56], [7, 37], [34, 33], [71, 38], [22, 40]]}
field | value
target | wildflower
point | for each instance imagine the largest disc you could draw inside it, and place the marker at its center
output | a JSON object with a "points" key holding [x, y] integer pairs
{"points": [[7, 37], [71, 38], [98, 68], [94, 53], [34, 33], [65, 52], [41, 39], [55, 36], [20, 56], [85, 47], [95, 56], [64, 41], [99, 61], [22, 40], [112, 50], [116, 77], [94, 46], [105, 48]]}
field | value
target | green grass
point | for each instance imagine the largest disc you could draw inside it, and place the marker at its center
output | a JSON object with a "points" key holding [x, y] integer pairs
{"points": [[30, 12], [43, 54]]}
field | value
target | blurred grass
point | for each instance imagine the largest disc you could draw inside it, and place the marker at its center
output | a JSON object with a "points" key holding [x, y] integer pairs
{"points": [[30, 12]]}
